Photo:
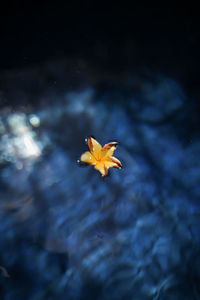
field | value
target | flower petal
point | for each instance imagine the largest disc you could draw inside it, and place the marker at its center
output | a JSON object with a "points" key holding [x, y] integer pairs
{"points": [[111, 164], [88, 158], [116, 160], [109, 145], [108, 150], [94, 147], [100, 167]]}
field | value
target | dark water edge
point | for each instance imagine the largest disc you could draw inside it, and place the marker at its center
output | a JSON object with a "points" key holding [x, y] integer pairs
{"points": [[162, 36]]}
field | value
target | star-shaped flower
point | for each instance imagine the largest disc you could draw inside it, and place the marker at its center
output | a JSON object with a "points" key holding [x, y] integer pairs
{"points": [[101, 157]]}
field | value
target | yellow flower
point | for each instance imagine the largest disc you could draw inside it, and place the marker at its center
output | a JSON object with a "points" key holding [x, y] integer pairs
{"points": [[101, 157]]}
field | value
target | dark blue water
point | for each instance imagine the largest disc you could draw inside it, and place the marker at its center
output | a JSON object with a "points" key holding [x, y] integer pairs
{"points": [[66, 233]]}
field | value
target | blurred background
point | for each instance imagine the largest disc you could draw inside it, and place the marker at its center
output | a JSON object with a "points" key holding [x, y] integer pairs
{"points": [[118, 73]]}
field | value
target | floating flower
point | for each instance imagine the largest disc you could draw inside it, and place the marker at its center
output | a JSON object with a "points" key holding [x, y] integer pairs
{"points": [[101, 157]]}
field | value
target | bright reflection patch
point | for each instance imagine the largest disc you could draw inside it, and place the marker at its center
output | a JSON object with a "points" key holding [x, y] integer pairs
{"points": [[34, 120], [20, 140], [31, 148]]}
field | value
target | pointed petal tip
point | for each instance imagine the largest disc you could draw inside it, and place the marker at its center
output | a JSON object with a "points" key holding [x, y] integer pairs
{"points": [[90, 145], [105, 170], [93, 145], [110, 145], [89, 137], [116, 160]]}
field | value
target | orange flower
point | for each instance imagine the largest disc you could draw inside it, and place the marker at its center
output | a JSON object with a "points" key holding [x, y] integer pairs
{"points": [[101, 157]]}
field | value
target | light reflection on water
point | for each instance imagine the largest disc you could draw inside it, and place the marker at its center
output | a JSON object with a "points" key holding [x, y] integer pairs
{"points": [[19, 144]]}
